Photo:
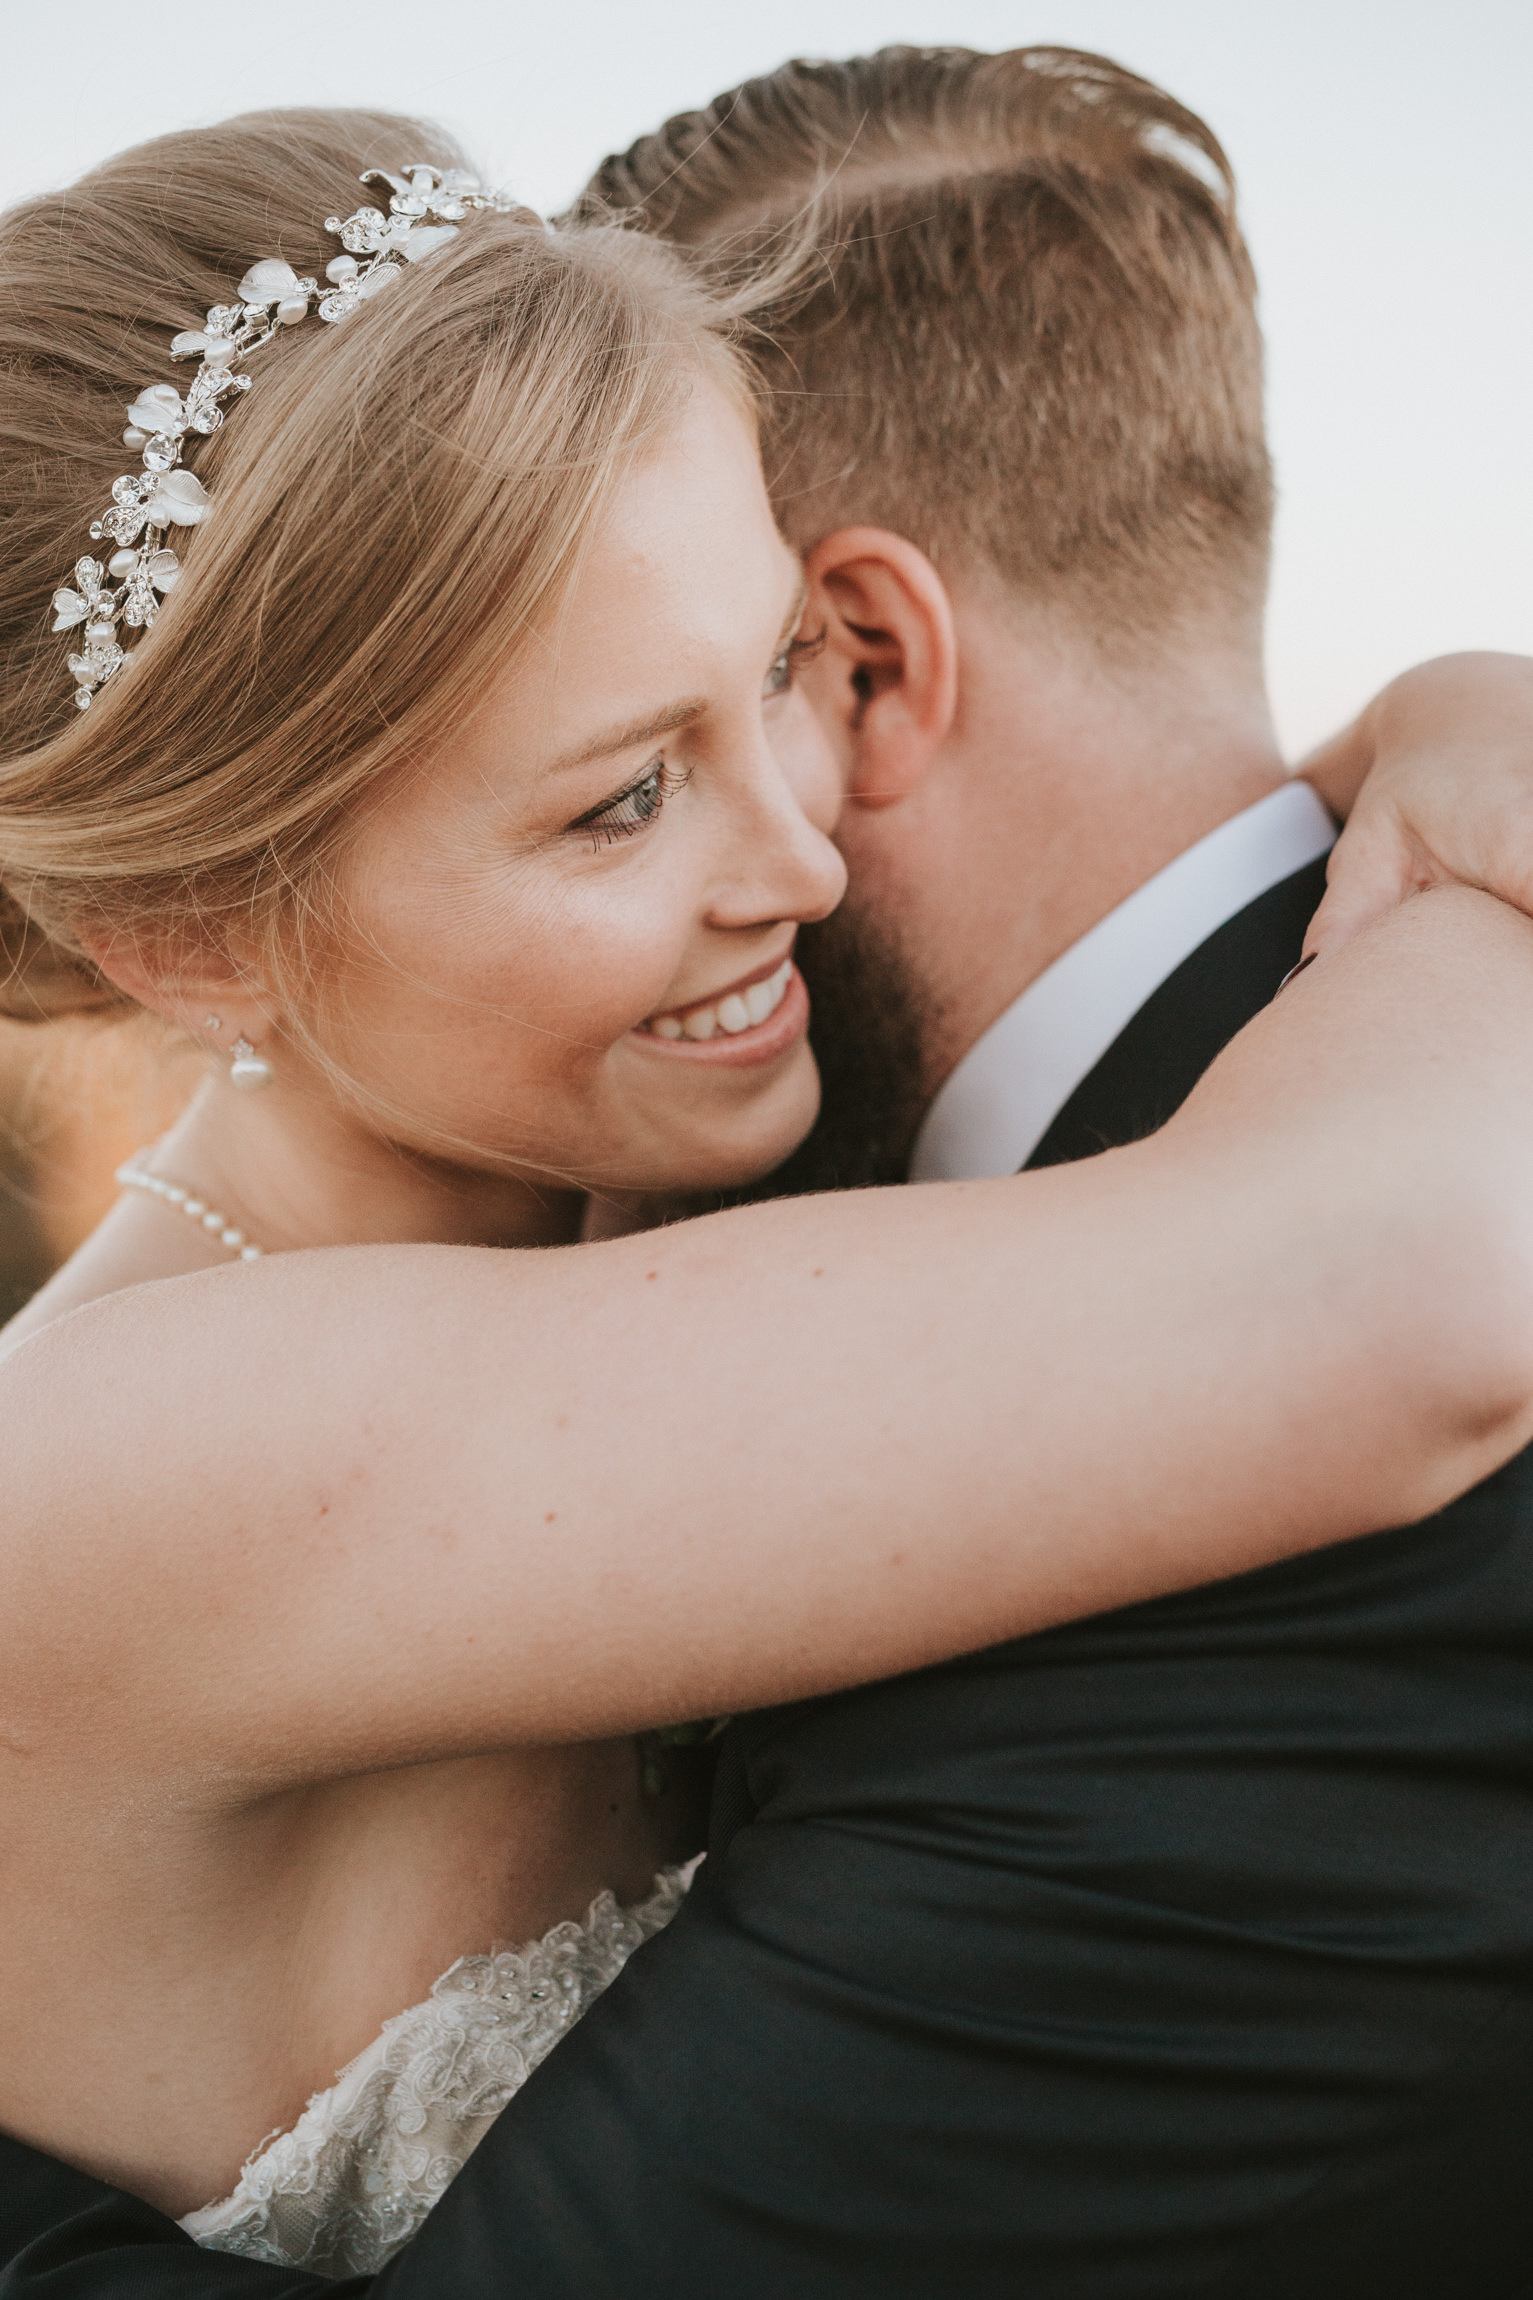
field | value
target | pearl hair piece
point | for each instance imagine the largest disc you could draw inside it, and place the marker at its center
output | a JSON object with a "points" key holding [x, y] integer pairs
{"points": [[425, 209], [133, 1176]]}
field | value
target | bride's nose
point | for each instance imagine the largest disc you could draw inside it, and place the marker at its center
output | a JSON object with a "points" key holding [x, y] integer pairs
{"points": [[773, 862]]}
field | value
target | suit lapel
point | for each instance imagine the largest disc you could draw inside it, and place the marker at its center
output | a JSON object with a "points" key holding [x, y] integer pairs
{"points": [[1157, 1058]]}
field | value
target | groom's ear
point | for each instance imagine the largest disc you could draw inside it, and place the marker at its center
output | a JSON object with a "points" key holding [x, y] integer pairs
{"points": [[886, 681]]}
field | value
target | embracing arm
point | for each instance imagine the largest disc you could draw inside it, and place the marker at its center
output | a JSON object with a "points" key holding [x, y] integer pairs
{"points": [[1451, 749], [401, 1503]]}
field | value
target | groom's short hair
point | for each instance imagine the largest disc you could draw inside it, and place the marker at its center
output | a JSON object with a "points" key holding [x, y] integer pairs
{"points": [[1028, 337]]}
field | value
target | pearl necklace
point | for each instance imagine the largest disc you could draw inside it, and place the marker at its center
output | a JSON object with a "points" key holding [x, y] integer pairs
{"points": [[132, 1176]]}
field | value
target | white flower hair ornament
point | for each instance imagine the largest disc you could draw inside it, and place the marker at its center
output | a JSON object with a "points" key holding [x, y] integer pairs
{"points": [[426, 207]]}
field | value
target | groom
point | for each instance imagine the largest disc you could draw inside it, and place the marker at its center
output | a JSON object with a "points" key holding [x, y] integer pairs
{"points": [[1188, 1950]]}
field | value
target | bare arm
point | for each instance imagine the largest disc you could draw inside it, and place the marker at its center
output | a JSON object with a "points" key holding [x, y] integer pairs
{"points": [[347, 1509], [1435, 779]]}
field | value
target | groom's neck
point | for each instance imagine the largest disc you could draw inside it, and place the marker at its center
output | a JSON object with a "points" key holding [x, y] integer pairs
{"points": [[1073, 774]]}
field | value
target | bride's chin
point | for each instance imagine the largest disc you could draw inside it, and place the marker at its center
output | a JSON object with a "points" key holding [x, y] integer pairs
{"points": [[732, 1157], [752, 1160]]}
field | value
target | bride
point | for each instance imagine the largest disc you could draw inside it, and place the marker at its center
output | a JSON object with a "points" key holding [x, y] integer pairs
{"points": [[460, 800]]}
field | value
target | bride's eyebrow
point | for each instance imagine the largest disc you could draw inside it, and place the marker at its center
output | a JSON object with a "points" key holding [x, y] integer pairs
{"points": [[640, 731], [630, 737]]}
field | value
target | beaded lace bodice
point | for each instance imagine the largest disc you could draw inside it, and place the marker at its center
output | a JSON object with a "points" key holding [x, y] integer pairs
{"points": [[368, 2158]]}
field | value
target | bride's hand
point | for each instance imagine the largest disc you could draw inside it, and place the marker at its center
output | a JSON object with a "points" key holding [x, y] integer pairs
{"points": [[1435, 779]]}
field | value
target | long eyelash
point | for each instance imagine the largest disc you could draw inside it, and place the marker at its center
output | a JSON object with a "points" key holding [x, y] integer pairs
{"points": [[605, 831], [805, 650]]}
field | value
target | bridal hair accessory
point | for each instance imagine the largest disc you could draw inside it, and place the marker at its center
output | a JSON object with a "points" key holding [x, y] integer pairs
{"points": [[426, 207], [248, 1070], [134, 1176]]}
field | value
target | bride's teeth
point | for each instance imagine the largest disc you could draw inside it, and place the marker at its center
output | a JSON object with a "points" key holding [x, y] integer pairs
{"points": [[741, 1010]]}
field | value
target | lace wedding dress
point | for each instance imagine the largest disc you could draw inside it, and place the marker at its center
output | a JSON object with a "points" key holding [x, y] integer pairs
{"points": [[368, 2158]]}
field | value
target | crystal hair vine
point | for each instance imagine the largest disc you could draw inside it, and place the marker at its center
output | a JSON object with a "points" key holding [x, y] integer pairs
{"points": [[426, 206]]}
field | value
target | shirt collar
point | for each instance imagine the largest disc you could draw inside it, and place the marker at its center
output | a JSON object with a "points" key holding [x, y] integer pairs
{"points": [[1006, 1092]]}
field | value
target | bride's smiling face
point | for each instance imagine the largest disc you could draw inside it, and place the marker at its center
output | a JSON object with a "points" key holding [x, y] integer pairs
{"points": [[574, 926]]}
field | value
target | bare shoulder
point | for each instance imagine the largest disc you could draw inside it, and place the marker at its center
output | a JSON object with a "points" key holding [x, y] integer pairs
{"points": [[54, 1368], [93, 1390]]}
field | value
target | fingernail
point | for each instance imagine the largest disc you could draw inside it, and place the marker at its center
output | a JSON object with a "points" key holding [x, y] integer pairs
{"points": [[1293, 970]]}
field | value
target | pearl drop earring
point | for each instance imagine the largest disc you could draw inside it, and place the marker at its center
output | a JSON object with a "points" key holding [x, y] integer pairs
{"points": [[248, 1070]]}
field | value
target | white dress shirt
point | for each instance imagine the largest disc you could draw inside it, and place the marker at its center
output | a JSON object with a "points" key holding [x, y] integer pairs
{"points": [[999, 1103]]}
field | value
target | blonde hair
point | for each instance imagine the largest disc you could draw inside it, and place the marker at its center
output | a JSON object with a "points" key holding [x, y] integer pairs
{"points": [[1030, 342], [398, 503]]}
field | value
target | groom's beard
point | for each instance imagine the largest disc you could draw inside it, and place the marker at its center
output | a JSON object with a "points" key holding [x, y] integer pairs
{"points": [[866, 1031]]}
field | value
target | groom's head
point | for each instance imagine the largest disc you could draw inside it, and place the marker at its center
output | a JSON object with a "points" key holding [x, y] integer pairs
{"points": [[1014, 417], [1025, 336]]}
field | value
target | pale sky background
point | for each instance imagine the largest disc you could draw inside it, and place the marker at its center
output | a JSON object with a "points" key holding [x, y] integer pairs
{"points": [[1383, 146]]}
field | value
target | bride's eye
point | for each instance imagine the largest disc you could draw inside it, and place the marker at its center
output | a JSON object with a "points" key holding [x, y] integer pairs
{"points": [[632, 809], [784, 667]]}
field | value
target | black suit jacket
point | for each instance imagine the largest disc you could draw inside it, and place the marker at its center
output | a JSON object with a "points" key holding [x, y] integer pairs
{"points": [[1184, 1951]]}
